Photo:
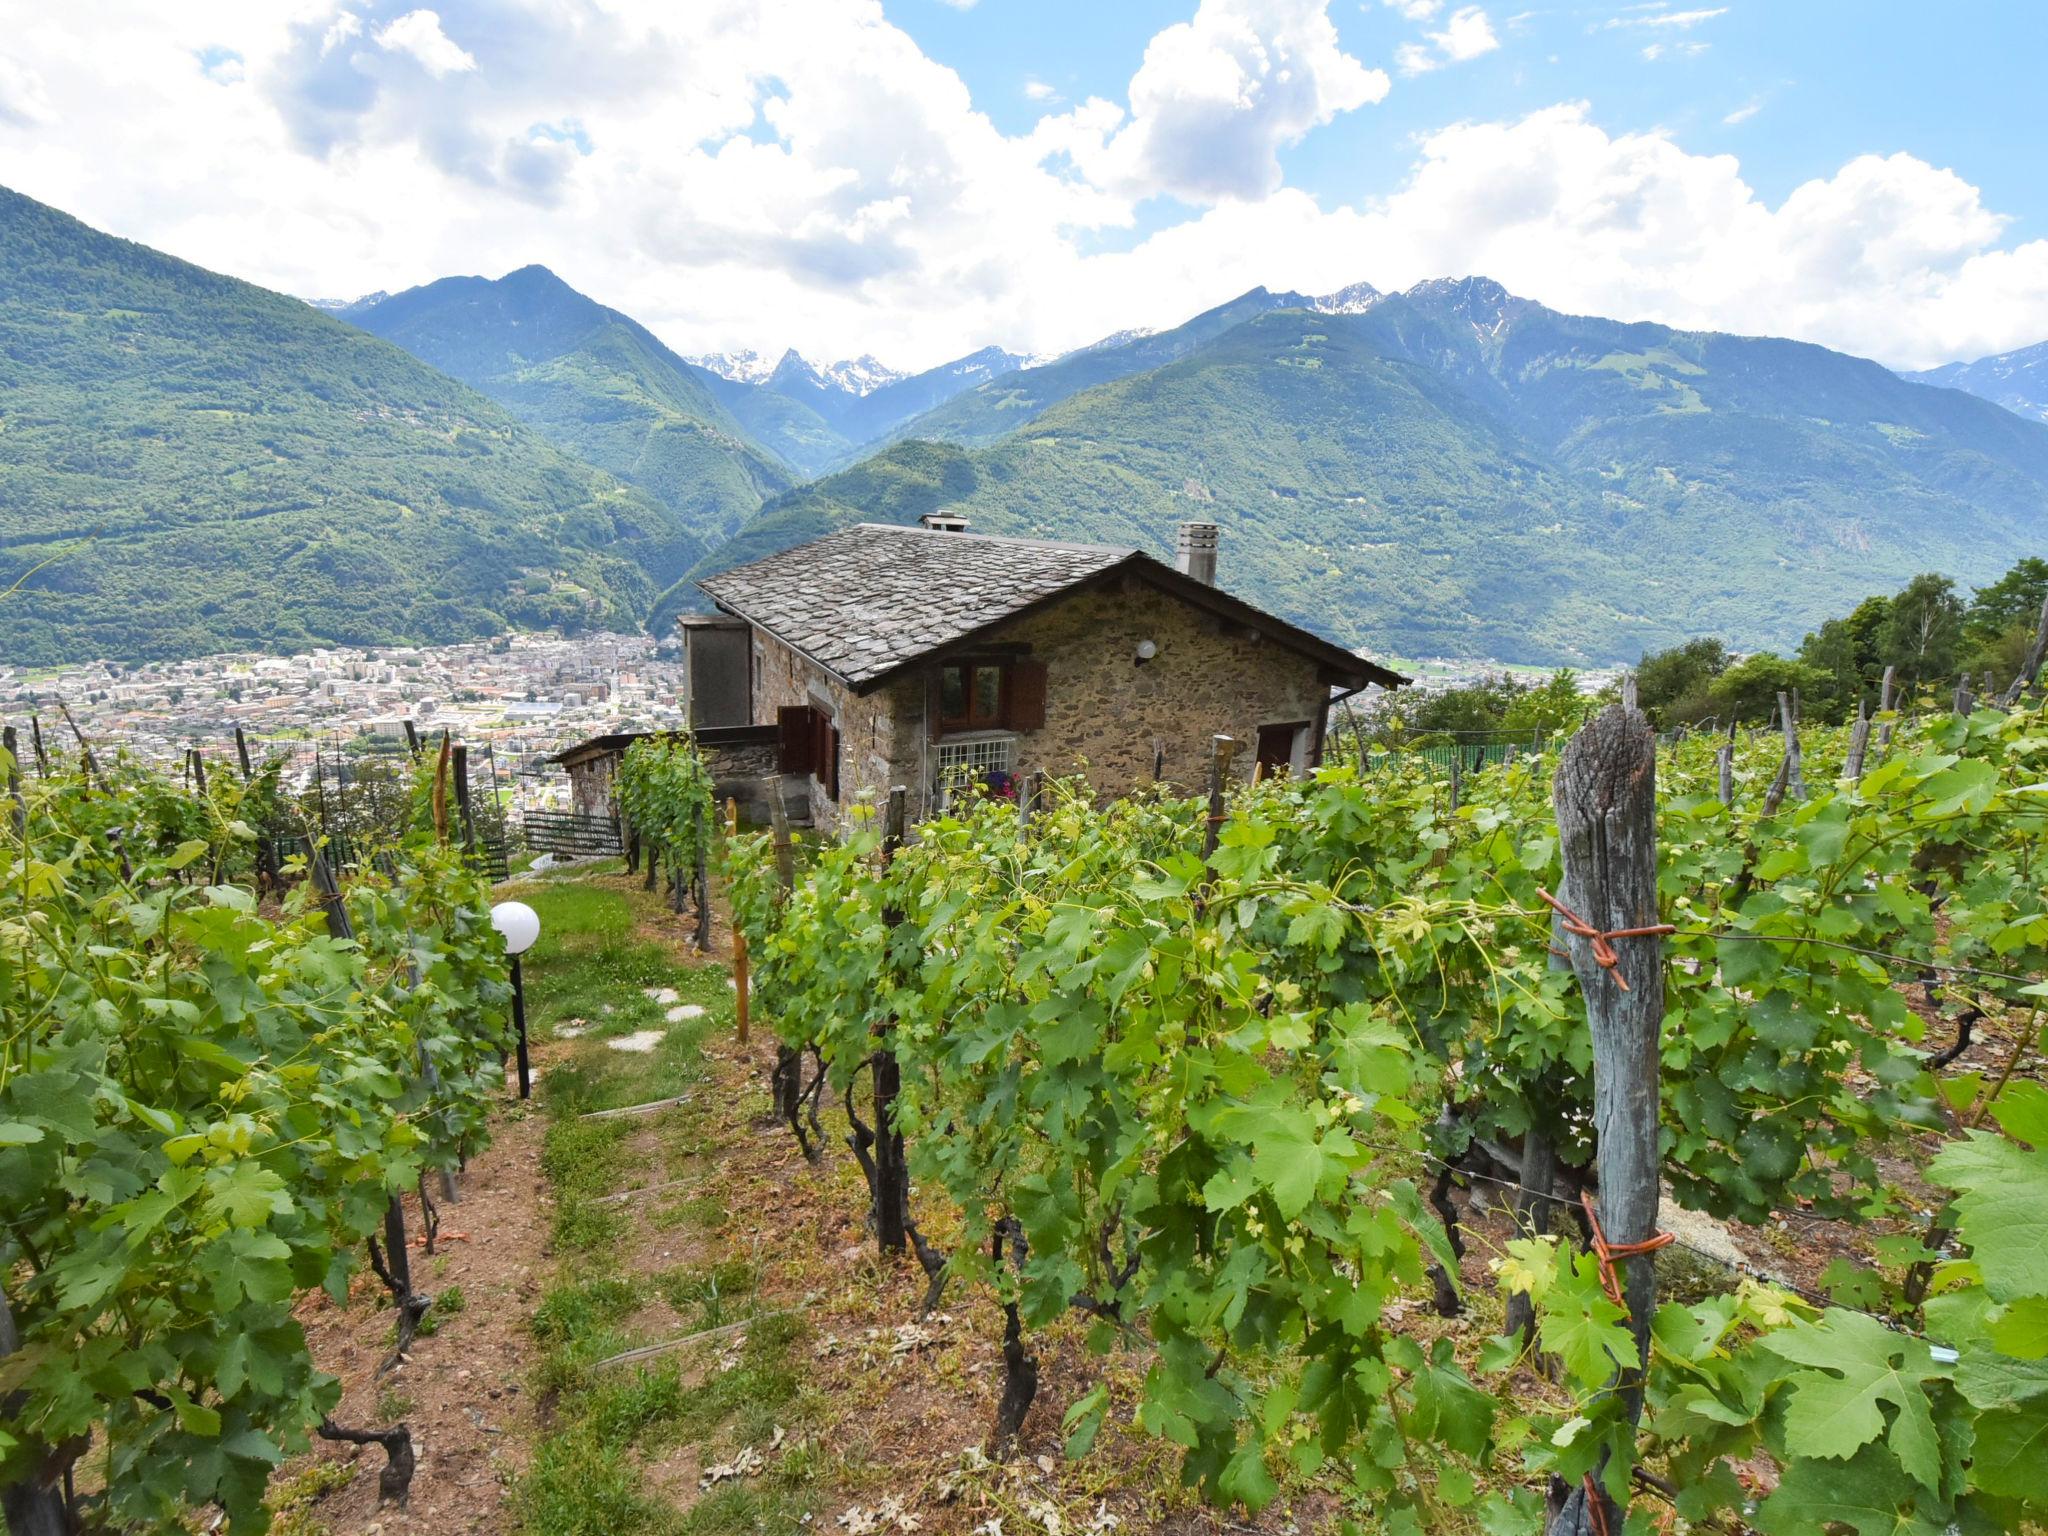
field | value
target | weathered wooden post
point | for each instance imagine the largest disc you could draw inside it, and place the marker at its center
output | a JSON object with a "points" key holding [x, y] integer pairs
{"points": [[1606, 800], [1457, 779], [892, 1175], [1964, 700], [35, 1504], [1859, 741], [459, 782], [2029, 668], [1220, 750], [787, 1082], [18, 812], [1788, 715], [742, 992], [1724, 761], [703, 880], [1887, 701], [35, 736], [412, 738]]}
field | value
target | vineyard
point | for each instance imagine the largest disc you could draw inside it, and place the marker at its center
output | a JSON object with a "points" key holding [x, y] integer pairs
{"points": [[1213, 1076], [218, 1073]]}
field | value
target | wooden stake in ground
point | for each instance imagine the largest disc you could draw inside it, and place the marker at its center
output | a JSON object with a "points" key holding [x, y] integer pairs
{"points": [[1788, 716], [787, 1082], [1606, 800], [1220, 750], [742, 995], [18, 812], [1859, 741], [1887, 701], [892, 1173]]}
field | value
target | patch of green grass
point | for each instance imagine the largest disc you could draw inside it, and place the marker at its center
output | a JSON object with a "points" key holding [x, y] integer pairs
{"points": [[580, 1486], [705, 1211], [571, 1314], [734, 1508], [753, 1393], [707, 1290], [451, 1302], [291, 1499], [392, 1406]]}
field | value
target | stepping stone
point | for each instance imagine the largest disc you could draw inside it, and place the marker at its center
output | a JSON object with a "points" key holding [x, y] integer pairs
{"points": [[683, 1011], [640, 1042], [571, 1031], [664, 994]]}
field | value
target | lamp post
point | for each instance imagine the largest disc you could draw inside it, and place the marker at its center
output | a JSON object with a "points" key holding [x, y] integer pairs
{"points": [[519, 925]]}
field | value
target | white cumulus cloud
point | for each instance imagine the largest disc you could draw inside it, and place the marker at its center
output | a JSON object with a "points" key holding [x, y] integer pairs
{"points": [[1217, 97], [737, 174], [1466, 35], [419, 34]]}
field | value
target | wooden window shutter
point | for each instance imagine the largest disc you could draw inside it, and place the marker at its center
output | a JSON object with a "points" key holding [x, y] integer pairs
{"points": [[1024, 706], [796, 746], [828, 773]]}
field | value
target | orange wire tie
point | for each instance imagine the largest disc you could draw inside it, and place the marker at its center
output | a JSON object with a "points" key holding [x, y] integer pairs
{"points": [[1608, 1252], [1603, 938]]}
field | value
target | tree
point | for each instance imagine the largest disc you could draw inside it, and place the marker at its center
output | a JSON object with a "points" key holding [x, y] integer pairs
{"points": [[1552, 705], [1850, 653], [1749, 690], [2012, 600], [1671, 685], [1923, 631]]}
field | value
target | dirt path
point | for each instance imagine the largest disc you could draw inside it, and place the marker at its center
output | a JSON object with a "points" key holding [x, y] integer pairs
{"points": [[462, 1390]]}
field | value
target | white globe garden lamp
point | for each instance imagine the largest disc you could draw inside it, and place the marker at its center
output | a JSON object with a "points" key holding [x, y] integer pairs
{"points": [[519, 926]]}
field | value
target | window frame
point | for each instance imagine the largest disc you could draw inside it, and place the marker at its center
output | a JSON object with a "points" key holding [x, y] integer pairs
{"points": [[968, 667]]}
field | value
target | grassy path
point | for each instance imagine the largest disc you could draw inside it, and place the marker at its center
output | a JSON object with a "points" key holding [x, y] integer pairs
{"points": [[625, 1448]]}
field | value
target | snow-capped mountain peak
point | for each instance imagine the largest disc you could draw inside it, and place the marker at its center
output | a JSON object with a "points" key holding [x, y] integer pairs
{"points": [[1354, 299], [861, 375], [745, 366]]}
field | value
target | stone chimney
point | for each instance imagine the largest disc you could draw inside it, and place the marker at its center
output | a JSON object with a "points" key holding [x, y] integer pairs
{"points": [[1195, 554], [945, 520]]}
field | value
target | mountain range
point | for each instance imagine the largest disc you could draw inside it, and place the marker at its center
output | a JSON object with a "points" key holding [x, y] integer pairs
{"points": [[1448, 470], [1457, 471], [2016, 380], [190, 464]]}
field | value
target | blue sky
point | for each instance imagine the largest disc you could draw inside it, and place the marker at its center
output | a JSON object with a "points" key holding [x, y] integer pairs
{"points": [[1812, 83], [916, 178]]}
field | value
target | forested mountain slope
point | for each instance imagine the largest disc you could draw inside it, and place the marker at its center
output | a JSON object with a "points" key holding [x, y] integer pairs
{"points": [[594, 383], [198, 464], [1457, 471]]}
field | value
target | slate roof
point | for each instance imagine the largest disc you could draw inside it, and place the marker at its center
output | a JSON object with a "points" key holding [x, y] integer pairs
{"points": [[870, 599]]}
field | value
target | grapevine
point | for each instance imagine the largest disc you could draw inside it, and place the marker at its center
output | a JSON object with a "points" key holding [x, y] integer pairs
{"points": [[1190, 1098]]}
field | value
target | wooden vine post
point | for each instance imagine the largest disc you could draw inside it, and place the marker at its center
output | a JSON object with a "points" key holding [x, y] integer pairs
{"points": [[1221, 749], [892, 1174], [742, 993], [787, 1083], [1606, 799]]}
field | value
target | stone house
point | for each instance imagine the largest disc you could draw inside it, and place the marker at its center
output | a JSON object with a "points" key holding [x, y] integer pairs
{"points": [[888, 655]]}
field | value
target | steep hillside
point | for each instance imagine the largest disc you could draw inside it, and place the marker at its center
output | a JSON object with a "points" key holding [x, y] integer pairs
{"points": [[591, 381], [2016, 380], [1003, 404], [197, 464], [1456, 471]]}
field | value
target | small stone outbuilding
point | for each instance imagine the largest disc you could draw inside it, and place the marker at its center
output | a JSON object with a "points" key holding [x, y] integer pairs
{"points": [[926, 656]]}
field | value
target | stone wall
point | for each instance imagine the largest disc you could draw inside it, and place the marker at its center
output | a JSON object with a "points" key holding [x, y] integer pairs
{"points": [[1105, 714], [880, 740], [590, 785]]}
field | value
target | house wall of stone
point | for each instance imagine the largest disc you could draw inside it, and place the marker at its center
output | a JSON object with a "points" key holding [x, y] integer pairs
{"points": [[880, 734], [1105, 715]]}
